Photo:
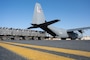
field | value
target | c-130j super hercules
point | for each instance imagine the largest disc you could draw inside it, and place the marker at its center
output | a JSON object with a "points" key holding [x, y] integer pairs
{"points": [[39, 22]]}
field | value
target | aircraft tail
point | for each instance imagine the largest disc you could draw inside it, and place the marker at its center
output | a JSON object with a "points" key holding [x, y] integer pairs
{"points": [[38, 17]]}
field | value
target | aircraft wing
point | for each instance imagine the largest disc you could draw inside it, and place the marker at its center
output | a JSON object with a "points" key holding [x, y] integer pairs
{"points": [[78, 29]]}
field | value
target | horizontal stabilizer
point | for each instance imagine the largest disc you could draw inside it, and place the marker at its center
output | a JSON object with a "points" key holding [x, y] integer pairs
{"points": [[34, 26], [31, 27], [43, 24], [50, 22]]}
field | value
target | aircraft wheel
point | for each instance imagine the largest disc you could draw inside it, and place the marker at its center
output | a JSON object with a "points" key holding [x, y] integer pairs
{"points": [[63, 38], [73, 38], [79, 38]]}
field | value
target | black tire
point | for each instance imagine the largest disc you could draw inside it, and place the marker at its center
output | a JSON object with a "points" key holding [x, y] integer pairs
{"points": [[73, 38], [63, 38]]}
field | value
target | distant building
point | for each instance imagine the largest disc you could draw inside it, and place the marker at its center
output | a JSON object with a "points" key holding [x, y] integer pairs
{"points": [[86, 38], [20, 34]]}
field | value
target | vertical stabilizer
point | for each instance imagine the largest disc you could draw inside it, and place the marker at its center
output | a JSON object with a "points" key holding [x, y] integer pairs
{"points": [[38, 17]]}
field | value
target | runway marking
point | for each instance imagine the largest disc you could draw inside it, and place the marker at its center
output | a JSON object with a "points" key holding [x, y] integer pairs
{"points": [[33, 54], [69, 51], [9, 55]]}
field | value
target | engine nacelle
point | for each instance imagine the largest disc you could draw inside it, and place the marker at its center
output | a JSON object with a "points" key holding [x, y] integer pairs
{"points": [[73, 35]]}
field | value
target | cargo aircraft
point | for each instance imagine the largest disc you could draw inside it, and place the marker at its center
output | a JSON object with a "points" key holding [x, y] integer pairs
{"points": [[40, 22]]}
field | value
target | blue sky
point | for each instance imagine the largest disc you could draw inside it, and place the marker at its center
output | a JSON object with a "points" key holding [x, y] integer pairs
{"points": [[72, 13]]}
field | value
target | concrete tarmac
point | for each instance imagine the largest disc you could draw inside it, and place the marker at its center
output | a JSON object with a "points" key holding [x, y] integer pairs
{"points": [[81, 45], [69, 44]]}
